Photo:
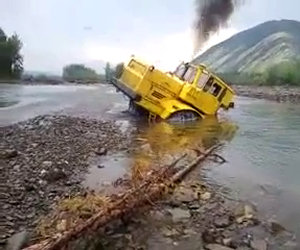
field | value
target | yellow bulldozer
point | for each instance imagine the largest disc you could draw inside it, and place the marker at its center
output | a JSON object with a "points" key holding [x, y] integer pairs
{"points": [[189, 93]]}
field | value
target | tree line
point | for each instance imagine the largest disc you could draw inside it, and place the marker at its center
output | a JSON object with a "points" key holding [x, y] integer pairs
{"points": [[81, 73], [11, 67], [283, 73], [11, 60]]}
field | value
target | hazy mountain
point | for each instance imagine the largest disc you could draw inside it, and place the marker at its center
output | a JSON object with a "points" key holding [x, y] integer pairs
{"points": [[255, 49]]}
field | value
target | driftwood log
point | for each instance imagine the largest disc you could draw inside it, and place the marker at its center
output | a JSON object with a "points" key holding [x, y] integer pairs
{"points": [[151, 189]]}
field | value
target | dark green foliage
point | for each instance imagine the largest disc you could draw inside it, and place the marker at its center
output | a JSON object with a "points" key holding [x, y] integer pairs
{"points": [[119, 70], [2, 36], [11, 61], [108, 72], [245, 78], [78, 72], [284, 73]]}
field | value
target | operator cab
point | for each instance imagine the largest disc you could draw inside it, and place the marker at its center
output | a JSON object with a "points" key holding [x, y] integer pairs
{"points": [[202, 80], [186, 72]]}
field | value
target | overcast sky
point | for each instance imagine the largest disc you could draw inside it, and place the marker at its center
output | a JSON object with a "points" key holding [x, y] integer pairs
{"points": [[58, 32]]}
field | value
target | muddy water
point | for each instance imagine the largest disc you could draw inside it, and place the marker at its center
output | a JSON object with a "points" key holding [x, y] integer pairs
{"points": [[263, 153], [264, 159], [21, 102]]}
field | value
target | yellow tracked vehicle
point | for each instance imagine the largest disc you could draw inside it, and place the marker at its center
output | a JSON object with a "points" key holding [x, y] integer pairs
{"points": [[188, 93]]}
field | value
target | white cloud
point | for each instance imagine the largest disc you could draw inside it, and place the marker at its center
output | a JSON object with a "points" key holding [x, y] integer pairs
{"points": [[165, 52], [95, 51]]}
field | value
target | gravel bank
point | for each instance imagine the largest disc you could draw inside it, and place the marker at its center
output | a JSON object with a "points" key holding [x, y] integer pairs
{"points": [[196, 217], [43, 160], [274, 93]]}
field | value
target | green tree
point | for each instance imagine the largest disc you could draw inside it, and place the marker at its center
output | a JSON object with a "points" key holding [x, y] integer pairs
{"points": [[119, 70], [11, 61], [108, 72], [15, 45], [284, 73], [78, 72]]}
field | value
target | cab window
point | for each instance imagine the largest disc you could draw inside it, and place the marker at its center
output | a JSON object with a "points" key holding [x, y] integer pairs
{"points": [[208, 84], [216, 89], [222, 95], [202, 79], [180, 71], [190, 74]]}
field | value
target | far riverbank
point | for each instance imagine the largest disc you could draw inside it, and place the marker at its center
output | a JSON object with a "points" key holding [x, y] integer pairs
{"points": [[273, 93]]}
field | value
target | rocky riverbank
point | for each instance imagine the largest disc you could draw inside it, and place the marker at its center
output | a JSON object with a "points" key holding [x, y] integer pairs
{"points": [[196, 216], [43, 160], [273, 93]]}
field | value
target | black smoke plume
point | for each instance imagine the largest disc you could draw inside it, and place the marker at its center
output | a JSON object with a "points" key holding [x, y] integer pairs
{"points": [[211, 15]]}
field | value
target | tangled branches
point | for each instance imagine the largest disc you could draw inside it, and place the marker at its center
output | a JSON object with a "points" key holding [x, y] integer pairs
{"points": [[154, 186]]}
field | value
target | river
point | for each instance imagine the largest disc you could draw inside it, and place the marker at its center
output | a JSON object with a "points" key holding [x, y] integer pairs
{"points": [[263, 156]]}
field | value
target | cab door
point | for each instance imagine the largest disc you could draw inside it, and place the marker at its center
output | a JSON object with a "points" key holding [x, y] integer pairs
{"points": [[209, 94], [188, 91]]}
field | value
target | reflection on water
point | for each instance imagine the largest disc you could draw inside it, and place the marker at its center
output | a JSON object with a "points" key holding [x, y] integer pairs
{"points": [[159, 143], [155, 145], [169, 138]]}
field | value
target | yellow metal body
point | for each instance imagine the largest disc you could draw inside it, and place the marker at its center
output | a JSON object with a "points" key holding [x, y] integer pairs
{"points": [[162, 94]]}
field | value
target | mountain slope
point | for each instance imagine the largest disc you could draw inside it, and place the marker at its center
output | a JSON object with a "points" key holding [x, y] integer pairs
{"points": [[255, 49]]}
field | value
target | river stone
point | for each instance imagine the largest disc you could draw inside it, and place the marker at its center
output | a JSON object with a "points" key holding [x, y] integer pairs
{"points": [[47, 164], [259, 245], [227, 241], [101, 151], [205, 196], [184, 195], [209, 236], [8, 153], [194, 206], [17, 241], [158, 215], [55, 175], [276, 228], [250, 211], [167, 232], [16, 168], [217, 247], [222, 222], [179, 214], [244, 212]]}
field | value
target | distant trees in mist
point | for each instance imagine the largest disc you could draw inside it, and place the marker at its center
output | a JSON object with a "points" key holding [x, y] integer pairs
{"points": [[11, 61]]}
